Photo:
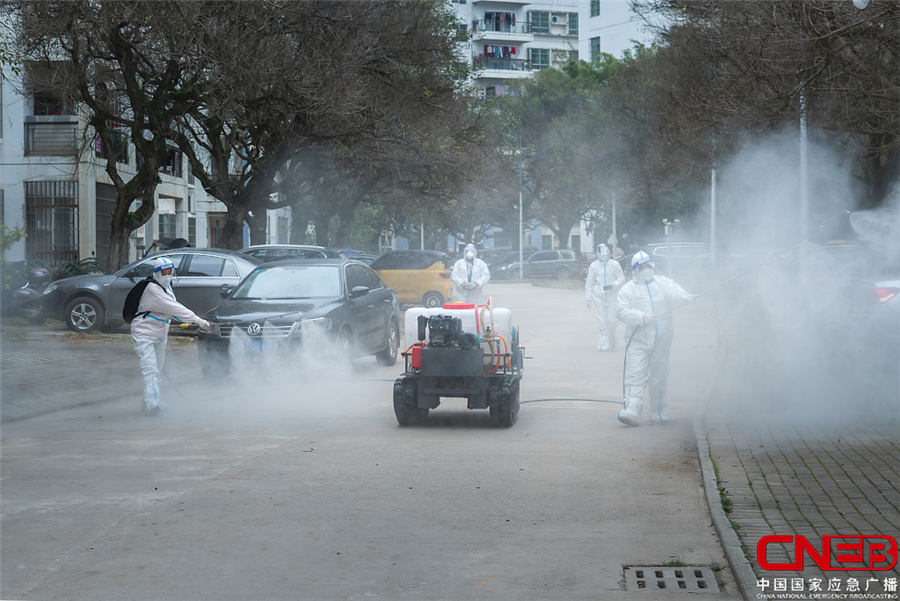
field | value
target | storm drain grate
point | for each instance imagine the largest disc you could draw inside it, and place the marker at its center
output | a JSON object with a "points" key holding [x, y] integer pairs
{"points": [[690, 579]]}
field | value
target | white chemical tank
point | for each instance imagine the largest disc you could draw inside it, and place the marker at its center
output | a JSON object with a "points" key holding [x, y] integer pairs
{"points": [[471, 316]]}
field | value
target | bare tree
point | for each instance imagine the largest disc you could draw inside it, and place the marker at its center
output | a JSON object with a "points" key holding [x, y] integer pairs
{"points": [[738, 67], [379, 91], [116, 66]]}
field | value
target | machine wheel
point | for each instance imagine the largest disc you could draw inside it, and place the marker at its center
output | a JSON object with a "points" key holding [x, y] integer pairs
{"points": [[433, 300], [563, 273], [389, 355], [408, 414], [84, 314], [505, 408]]}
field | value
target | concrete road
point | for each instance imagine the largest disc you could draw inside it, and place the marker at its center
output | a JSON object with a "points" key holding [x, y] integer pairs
{"points": [[292, 482]]}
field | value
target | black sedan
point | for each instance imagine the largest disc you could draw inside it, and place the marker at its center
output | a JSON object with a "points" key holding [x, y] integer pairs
{"points": [[334, 303], [91, 302]]}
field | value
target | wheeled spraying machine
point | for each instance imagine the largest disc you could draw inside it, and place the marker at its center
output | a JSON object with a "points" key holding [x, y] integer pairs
{"points": [[463, 351]]}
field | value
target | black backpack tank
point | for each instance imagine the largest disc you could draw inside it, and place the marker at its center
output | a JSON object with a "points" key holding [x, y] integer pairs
{"points": [[133, 300]]}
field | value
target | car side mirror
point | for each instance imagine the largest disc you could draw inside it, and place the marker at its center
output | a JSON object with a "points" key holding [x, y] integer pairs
{"points": [[131, 274], [226, 290], [358, 291]]}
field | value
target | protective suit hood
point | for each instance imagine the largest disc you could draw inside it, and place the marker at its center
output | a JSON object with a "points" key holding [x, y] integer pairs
{"points": [[159, 265]]}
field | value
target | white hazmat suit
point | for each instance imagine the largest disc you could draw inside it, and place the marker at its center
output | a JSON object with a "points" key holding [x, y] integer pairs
{"points": [[600, 288], [469, 276], [150, 329], [644, 306]]}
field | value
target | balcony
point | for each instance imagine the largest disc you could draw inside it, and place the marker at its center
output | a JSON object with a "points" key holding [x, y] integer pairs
{"points": [[51, 135], [496, 30], [502, 68]]}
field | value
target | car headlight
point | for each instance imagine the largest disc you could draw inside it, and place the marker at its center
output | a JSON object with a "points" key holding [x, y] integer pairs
{"points": [[51, 288], [318, 324]]}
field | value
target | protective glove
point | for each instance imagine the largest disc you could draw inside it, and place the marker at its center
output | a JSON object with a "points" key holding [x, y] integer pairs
{"points": [[647, 319], [607, 288], [473, 285], [204, 325]]}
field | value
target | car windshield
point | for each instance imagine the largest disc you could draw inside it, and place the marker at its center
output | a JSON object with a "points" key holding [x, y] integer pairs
{"points": [[291, 282]]}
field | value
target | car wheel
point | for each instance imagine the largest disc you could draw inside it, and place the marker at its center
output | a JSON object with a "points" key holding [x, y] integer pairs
{"points": [[433, 300], [345, 345], [563, 273], [389, 355], [84, 314]]}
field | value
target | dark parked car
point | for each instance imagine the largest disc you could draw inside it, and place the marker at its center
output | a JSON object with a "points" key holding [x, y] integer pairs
{"points": [[90, 302], [560, 264], [281, 304]]}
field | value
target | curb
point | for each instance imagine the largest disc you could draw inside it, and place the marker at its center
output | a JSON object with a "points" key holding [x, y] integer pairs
{"points": [[731, 544]]}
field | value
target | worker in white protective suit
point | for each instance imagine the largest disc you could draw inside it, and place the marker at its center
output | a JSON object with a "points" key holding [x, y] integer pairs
{"points": [[150, 329], [645, 306], [601, 286], [469, 276]]}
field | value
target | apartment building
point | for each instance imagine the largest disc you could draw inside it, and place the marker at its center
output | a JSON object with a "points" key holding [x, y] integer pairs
{"points": [[54, 185], [511, 40]]}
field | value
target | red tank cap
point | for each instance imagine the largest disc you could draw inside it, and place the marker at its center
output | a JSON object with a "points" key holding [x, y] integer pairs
{"points": [[459, 306]]}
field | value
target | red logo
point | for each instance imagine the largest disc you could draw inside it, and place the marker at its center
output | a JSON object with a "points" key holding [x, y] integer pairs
{"points": [[860, 552]]}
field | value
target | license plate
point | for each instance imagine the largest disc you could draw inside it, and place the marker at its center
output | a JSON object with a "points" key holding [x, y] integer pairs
{"points": [[254, 346]]}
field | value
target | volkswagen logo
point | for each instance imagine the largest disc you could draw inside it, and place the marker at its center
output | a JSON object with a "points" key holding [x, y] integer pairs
{"points": [[254, 329]]}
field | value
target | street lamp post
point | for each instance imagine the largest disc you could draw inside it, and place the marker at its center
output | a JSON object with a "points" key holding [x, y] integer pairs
{"points": [[669, 225]]}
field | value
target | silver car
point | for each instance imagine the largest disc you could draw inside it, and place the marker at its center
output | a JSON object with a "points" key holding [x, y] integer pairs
{"points": [[91, 302]]}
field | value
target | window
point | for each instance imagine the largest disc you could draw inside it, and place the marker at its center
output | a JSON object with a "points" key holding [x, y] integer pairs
{"points": [[172, 166], [573, 23], [357, 275], [51, 138], [540, 21], [145, 269], [545, 256], [595, 8], [2, 209], [49, 104], [540, 58], [119, 146], [166, 225], [595, 48], [51, 222], [205, 266], [192, 231]]}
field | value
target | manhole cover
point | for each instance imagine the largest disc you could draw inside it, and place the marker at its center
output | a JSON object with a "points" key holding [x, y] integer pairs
{"points": [[690, 579]]}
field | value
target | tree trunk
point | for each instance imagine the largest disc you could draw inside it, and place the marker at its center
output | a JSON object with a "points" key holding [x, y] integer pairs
{"points": [[299, 223], [322, 225], [258, 223], [233, 232]]}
